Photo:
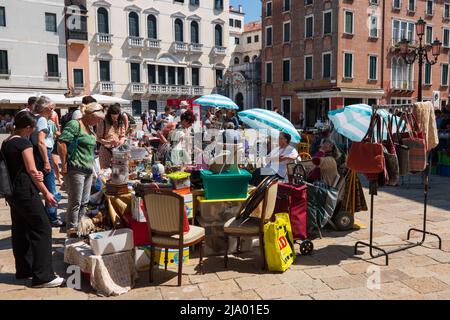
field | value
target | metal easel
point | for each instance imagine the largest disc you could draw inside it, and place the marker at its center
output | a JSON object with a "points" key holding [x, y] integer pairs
{"points": [[373, 190]]}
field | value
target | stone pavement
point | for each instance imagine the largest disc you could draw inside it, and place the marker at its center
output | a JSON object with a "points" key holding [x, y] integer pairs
{"points": [[331, 272]]}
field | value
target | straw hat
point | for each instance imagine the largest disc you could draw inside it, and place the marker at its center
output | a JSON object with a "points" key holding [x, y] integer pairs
{"points": [[184, 103], [96, 109]]}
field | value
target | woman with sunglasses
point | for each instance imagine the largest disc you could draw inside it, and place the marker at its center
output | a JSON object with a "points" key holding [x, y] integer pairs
{"points": [[31, 229]]}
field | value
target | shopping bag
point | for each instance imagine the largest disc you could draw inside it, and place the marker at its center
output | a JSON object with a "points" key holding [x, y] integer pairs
{"points": [[322, 201], [417, 147], [279, 243]]}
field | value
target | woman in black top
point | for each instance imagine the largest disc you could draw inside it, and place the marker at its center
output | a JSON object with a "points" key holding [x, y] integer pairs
{"points": [[31, 230]]}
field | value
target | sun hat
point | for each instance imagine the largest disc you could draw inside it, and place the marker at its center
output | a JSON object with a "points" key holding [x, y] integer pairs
{"points": [[95, 109], [184, 103]]}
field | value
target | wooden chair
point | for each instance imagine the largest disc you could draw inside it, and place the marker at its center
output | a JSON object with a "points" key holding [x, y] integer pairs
{"points": [[253, 226], [165, 217]]}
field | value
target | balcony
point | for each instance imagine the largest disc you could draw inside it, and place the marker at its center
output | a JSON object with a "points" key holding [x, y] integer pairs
{"points": [[402, 85], [5, 73], [220, 51], [180, 46], [395, 44], [411, 9], [106, 87], [197, 91], [153, 44], [137, 88], [104, 39], [53, 76], [136, 42], [196, 47], [174, 90], [77, 36], [78, 88]]}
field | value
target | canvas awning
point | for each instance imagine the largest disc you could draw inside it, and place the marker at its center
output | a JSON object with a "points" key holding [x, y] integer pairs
{"points": [[22, 97], [102, 99]]}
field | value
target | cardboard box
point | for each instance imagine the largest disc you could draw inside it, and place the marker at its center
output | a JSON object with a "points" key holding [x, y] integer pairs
{"points": [[142, 257], [111, 241]]}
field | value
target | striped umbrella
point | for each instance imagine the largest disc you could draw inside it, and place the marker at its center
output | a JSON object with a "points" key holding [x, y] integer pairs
{"points": [[261, 119], [353, 121], [216, 100]]}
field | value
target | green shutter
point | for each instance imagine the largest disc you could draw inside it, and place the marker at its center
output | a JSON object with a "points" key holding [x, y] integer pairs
{"points": [[102, 17], [151, 25]]}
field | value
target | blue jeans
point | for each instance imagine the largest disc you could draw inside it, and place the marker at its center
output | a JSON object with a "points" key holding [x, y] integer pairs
{"points": [[50, 184]]}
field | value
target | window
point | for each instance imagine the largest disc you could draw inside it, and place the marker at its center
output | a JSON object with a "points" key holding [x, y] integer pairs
{"points": [[162, 75], [348, 28], [268, 9], [135, 72], [180, 74], [396, 4], [231, 23], [105, 71], [249, 39], [308, 2], [4, 69], [2, 17], [373, 1], [151, 27], [427, 74], [373, 32], [246, 59], [218, 36], [268, 36], [171, 75], [151, 73], [309, 26], [219, 77], [268, 72], [195, 76], [194, 2], [286, 108], [326, 65], [133, 22], [218, 4], [429, 35], [180, 1], [236, 61], [308, 67], [430, 4], [236, 40], [238, 23], [348, 65], [102, 21], [446, 39], [402, 74], [195, 38], [50, 22], [286, 70], [78, 78], [402, 30], [444, 74], [256, 39], [327, 22], [287, 5], [52, 65], [269, 104], [179, 37], [373, 68], [136, 108], [447, 10], [287, 31], [412, 5]]}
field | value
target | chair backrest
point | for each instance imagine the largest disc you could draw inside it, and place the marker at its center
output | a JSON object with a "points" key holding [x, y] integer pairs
{"points": [[165, 211], [269, 201]]}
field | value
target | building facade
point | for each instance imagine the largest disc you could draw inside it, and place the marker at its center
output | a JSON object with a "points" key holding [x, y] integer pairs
{"points": [[156, 53], [320, 55], [33, 47]]}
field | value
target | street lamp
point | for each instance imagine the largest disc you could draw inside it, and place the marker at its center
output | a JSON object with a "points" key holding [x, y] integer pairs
{"points": [[410, 54]]}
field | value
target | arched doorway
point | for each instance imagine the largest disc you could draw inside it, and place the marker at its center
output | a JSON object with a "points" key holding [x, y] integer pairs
{"points": [[240, 101]]}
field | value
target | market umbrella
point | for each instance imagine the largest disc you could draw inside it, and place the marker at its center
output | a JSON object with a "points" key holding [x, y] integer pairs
{"points": [[261, 119], [353, 121], [216, 100]]}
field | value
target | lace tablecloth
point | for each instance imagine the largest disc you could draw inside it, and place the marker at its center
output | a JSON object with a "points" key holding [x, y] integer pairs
{"points": [[110, 275]]}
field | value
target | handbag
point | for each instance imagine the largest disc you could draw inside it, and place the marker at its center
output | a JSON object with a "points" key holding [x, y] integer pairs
{"points": [[390, 156], [401, 150], [367, 156], [417, 147]]}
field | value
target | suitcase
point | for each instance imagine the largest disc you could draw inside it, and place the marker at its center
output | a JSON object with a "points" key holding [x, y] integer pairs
{"points": [[292, 199]]}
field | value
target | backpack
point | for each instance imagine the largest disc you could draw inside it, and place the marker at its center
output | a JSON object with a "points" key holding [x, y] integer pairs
{"points": [[6, 183], [131, 120], [66, 118]]}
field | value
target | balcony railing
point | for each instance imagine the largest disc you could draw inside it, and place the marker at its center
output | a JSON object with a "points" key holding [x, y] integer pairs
{"points": [[53, 75], [135, 42], [153, 43], [196, 47], [174, 90], [106, 86], [197, 91], [181, 46], [5, 73], [104, 38], [218, 50], [137, 88], [402, 85], [77, 35]]}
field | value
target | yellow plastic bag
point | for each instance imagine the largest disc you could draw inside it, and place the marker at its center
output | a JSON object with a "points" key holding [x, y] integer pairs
{"points": [[279, 243]]}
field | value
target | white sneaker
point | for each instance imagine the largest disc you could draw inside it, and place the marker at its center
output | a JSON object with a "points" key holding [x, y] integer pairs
{"points": [[57, 282]]}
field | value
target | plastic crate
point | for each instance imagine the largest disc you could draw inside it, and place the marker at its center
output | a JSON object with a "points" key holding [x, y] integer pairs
{"points": [[444, 170], [443, 158], [225, 185], [434, 170]]}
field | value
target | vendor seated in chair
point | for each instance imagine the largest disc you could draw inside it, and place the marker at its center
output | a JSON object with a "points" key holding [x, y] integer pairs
{"points": [[278, 159]]}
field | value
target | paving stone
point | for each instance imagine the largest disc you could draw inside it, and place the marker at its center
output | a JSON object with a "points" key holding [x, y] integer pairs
{"points": [[345, 282], [417, 261], [276, 292], [441, 295], [296, 298], [312, 286], [357, 268], [440, 269], [243, 295], [181, 293], [392, 275], [394, 290], [426, 285], [218, 287], [418, 272], [200, 278], [440, 256], [293, 276], [326, 272], [347, 294], [258, 281]]}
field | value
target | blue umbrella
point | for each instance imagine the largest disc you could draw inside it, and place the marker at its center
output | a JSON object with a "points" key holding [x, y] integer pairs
{"points": [[353, 121], [261, 119], [216, 100]]}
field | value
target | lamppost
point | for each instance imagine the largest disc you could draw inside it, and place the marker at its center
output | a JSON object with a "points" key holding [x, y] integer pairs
{"points": [[410, 54]]}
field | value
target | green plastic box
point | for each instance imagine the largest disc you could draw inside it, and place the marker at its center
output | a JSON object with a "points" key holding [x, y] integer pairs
{"points": [[225, 185], [443, 158]]}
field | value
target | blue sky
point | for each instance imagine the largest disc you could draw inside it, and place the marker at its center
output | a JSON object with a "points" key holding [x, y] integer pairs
{"points": [[252, 9]]}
